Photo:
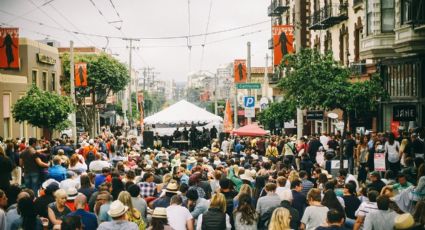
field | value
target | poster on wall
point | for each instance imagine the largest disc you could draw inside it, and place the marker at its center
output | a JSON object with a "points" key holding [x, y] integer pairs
{"points": [[283, 38], [379, 161], [9, 48], [80, 72]]}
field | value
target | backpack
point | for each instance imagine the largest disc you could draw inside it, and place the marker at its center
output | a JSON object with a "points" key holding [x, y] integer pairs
{"points": [[264, 220], [90, 156], [139, 221]]}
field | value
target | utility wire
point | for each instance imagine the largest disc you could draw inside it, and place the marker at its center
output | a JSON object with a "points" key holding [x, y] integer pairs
{"points": [[104, 17], [205, 37], [29, 11], [188, 37]]}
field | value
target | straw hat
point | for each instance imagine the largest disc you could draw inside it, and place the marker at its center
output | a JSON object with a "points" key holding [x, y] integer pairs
{"points": [[172, 187], [404, 221], [117, 209], [191, 160], [72, 193], [159, 213], [215, 150], [247, 175]]}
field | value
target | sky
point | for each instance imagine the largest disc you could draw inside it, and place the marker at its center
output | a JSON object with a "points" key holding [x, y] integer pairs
{"points": [[165, 29]]}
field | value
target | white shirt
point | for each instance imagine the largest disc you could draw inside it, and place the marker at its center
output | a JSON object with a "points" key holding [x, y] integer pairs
{"points": [[70, 183], [324, 140], [177, 216], [79, 167], [284, 193], [98, 165], [225, 146], [350, 177]]}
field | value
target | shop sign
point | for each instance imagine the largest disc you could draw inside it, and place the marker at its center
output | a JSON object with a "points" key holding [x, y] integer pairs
{"points": [[314, 115], [404, 113], [45, 59]]}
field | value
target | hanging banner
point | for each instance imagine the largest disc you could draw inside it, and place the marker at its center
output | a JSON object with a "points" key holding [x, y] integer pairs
{"points": [[227, 121], [9, 48], [283, 38], [80, 74], [379, 161], [394, 128], [239, 68], [140, 100]]}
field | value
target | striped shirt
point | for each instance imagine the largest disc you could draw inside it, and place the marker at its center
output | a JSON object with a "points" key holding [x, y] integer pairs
{"points": [[307, 185], [366, 208]]}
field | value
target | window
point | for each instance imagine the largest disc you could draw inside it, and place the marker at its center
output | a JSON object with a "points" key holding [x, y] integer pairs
{"points": [[387, 15], [412, 12], [369, 14], [34, 77], [44, 79], [53, 82], [6, 115]]}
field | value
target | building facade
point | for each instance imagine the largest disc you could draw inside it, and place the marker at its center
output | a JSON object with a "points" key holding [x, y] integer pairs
{"points": [[39, 65]]}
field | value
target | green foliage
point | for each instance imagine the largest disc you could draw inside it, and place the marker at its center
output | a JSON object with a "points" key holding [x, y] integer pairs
{"points": [[282, 111], [43, 109], [315, 81]]}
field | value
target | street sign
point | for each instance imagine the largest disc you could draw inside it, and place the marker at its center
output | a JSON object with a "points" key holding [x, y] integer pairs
{"points": [[249, 112], [314, 115], [249, 102], [248, 86], [404, 113]]}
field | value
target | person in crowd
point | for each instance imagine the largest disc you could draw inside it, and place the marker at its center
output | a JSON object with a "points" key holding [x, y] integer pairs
{"points": [[299, 201], [3, 206], [159, 220], [6, 168], [392, 154], [30, 162], [147, 186], [383, 218], [280, 219], [179, 217], [100, 178], [97, 164], [352, 203], [245, 216], [72, 223], [57, 171], [331, 201], [77, 163], [366, 207], [306, 184], [216, 216], [376, 183], [401, 184], [86, 187], [28, 217], [362, 155], [118, 212], [334, 221], [268, 201], [164, 201], [226, 189], [347, 177], [42, 202], [57, 210], [349, 145], [116, 188], [88, 219], [245, 189], [196, 204], [133, 215], [138, 202], [315, 214], [101, 208]]}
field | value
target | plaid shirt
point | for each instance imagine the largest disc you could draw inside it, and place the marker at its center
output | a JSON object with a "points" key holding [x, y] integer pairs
{"points": [[147, 189]]}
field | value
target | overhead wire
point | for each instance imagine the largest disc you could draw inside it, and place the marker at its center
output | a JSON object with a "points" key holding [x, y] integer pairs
{"points": [[188, 37], [205, 37], [28, 12], [103, 15]]}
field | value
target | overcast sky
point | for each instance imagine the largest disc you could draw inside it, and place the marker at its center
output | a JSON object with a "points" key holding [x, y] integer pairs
{"points": [[150, 19]]}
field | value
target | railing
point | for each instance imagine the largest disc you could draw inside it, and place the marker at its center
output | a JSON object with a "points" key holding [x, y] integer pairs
{"points": [[277, 7], [329, 15], [358, 68]]}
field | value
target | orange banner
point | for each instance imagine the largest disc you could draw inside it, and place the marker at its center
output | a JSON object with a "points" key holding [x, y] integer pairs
{"points": [[227, 121], [240, 71], [80, 74], [9, 48], [283, 38]]}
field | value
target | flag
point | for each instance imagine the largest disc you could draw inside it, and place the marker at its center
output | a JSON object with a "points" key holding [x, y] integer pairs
{"points": [[9, 48], [227, 121], [80, 74], [283, 38], [239, 68]]}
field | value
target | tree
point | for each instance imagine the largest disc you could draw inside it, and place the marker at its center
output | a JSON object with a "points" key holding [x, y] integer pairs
{"points": [[315, 81], [43, 109], [105, 75], [282, 111]]}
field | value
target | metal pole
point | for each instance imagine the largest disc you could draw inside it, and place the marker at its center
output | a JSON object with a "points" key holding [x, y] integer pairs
{"points": [[235, 110], [266, 79], [71, 73], [129, 86], [298, 38], [215, 94], [248, 60]]}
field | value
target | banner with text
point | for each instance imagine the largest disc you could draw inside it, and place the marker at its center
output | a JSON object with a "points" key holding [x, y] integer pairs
{"points": [[283, 38], [9, 48], [240, 71]]}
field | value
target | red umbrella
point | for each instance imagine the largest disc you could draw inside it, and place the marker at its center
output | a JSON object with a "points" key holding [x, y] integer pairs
{"points": [[250, 130]]}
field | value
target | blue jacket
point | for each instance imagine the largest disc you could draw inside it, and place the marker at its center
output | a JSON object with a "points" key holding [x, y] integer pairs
{"points": [[57, 172]]}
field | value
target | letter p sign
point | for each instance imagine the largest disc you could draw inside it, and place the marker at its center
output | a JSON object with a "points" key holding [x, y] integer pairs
{"points": [[249, 102]]}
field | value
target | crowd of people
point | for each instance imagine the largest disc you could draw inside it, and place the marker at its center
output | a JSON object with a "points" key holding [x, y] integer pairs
{"points": [[242, 183]]}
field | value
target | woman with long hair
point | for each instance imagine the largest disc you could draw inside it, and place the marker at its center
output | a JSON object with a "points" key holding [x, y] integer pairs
{"points": [[117, 187], [86, 187], [331, 201], [362, 155], [28, 220], [245, 189], [216, 214], [159, 220], [280, 219], [77, 163], [133, 214], [6, 168], [245, 215]]}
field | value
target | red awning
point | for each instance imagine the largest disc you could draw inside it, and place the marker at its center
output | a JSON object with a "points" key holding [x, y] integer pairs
{"points": [[250, 130]]}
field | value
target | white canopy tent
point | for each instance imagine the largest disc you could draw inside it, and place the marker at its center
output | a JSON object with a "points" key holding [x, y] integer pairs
{"points": [[180, 113]]}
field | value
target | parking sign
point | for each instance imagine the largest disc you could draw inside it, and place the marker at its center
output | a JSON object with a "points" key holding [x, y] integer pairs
{"points": [[249, 102]]}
